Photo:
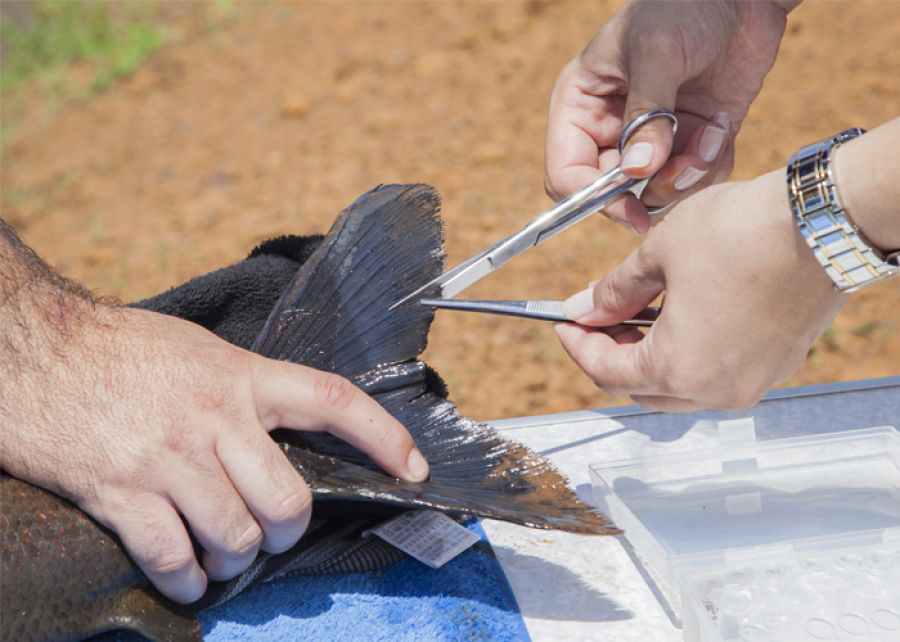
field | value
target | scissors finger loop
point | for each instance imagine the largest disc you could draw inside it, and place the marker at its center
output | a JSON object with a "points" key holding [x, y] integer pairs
{"points": [[631, 127]]}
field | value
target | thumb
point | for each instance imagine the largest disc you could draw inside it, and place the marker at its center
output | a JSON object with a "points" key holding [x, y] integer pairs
{"points": [[621, 294], [653, 82]]}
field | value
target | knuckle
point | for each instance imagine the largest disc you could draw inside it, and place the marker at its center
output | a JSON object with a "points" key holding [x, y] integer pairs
{"points": [[176, 440], [294, 507], [334, 392], [645, 362], [240, 542], [128, 472], [655, 45], [608, 294], [169, 563], [219, 400], [645, 259], [231, 359]]}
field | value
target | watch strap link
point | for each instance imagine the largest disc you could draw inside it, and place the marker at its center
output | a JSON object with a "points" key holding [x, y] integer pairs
{"points": [[839, 246]]}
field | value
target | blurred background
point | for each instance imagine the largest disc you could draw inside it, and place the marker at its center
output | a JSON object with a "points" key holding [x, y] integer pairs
{"points": [[147, 142]]}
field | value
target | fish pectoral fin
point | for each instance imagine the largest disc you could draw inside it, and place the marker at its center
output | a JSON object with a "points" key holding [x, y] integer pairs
{"points": [[144, 611]]}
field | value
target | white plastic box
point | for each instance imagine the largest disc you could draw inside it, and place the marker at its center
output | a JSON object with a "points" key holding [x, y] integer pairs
{"points": [[789, 540]]}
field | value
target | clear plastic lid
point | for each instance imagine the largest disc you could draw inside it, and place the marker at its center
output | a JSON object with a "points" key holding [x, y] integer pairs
{"points": [[792, 539]]}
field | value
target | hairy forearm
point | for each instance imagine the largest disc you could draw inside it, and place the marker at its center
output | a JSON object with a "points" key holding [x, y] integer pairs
{"points": [[38, 307], [42, 321]]}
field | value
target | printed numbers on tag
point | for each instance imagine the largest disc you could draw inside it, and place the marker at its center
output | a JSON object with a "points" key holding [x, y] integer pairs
{"points": [[429, 536]]}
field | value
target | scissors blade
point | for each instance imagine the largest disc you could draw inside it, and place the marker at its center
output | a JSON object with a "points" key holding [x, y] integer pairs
{"points": [[586, 201], [558, 218], [454, 281]]}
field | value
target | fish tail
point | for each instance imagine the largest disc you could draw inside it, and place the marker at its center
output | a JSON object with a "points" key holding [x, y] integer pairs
{"points": [[337, 315]]}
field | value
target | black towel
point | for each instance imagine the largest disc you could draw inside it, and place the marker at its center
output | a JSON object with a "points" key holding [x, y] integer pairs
{"points": [[234, 302]]}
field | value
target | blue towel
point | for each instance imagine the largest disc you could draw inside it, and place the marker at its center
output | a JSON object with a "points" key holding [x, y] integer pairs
{"points": [[468, 598]]}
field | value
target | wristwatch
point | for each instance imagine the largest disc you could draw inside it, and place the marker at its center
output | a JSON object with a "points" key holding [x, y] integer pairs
{"points": [[841, 248]]}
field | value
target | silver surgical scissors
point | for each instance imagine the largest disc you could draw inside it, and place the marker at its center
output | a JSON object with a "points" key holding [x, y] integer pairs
{"points": [[583, 203]]}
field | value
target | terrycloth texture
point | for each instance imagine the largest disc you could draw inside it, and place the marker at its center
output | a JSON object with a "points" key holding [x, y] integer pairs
{"points": [[235, 302], [467, 599]]}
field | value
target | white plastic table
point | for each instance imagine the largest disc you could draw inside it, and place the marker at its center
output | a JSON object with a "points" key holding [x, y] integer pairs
{"points": [[572, 587]]}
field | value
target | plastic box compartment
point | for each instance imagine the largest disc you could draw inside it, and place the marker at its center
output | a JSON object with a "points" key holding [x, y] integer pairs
{"points": [[782, 540]]}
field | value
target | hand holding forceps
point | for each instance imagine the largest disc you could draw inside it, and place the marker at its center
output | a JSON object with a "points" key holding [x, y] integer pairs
{"points": [[583, 203]]}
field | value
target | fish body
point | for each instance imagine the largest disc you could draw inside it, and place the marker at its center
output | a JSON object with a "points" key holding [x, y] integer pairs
{"points": [[65, 577]]}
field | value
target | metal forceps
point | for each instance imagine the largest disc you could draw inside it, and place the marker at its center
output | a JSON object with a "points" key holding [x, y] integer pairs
{"points": [[583, 203]]}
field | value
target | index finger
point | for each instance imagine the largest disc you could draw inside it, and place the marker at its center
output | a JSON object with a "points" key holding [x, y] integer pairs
{"points": [[292, 396], [623, 368], [584, 118]]}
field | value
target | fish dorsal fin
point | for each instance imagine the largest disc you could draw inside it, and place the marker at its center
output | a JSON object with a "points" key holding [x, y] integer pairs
{"points": [[336, 315]]}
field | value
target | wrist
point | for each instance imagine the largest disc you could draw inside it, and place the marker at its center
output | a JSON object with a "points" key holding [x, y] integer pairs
{"points": [[846, 254], [870, 191], [44, 319], [786, 240]]}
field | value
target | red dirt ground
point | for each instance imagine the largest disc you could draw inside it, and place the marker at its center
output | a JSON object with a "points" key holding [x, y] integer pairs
{"points": [[273, 119]]}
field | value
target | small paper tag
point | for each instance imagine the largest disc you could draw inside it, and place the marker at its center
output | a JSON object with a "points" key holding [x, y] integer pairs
{"points": [[429, 536]]}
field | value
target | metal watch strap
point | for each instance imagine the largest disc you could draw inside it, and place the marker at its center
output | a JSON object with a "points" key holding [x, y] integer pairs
{"points": [[845, 253]]}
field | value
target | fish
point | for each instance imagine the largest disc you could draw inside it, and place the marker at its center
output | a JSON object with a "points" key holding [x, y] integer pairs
{"points": [[66, 577]]}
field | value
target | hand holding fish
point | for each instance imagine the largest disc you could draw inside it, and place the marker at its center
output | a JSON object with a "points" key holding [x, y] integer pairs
{"points": [[704, 60], [745, 295], [137, 416], [143, 419]]}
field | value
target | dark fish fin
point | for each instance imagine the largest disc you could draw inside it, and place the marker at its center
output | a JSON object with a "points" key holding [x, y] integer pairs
{"points": [[474, 471], [146, 612], [336, 316]]}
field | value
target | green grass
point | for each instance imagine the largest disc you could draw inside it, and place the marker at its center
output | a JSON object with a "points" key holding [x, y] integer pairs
{"points": [[865, 328], [49, 34]]}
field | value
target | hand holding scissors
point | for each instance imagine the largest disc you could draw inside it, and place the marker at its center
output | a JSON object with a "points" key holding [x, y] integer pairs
{"points": [[605, 190], [705, 61]]}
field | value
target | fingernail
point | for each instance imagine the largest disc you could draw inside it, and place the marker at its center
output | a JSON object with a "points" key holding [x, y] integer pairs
{"points": [[638, 155], [711, 142], [418, 467], [580, 305], [688, 177]]}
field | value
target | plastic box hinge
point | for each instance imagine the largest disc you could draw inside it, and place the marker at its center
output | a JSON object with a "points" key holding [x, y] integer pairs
{"points": [[738, 435]]}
